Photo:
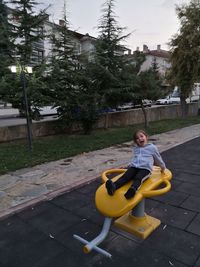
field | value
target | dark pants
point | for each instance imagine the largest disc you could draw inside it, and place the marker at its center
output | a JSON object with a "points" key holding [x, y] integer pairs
{"points": [[138, 176]]}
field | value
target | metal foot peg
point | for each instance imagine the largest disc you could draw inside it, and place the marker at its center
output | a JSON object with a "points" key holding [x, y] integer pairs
{"points": [[93, 244]]}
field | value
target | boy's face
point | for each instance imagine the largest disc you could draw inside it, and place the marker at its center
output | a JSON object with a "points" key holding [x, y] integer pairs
{"points": [[141, 139]]}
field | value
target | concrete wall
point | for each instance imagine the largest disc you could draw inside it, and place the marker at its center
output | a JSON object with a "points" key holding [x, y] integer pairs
{"points": [[15, 132], [115, 119], [135, 116]]}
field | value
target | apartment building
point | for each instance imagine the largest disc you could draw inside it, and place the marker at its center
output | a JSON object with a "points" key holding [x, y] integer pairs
{"points": [[83, 43], [42, 49], [159, 56]]}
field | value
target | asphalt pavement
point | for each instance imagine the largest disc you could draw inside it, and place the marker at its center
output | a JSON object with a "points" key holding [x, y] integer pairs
{"points": [[38, 231], [10, 116]]}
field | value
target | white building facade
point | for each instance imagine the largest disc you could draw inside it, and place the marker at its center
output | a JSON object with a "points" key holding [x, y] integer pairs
{"points": [[158, 56]]}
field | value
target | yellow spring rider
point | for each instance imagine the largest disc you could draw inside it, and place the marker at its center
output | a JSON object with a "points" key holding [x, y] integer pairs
{"points": [[129, 214]]}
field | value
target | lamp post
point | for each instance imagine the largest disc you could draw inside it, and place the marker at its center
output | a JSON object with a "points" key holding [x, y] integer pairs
{"points": [[23, 70]]}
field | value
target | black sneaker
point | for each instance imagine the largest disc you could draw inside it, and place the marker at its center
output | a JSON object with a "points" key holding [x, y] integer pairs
{"points": [[110, 186], [130, 193]]}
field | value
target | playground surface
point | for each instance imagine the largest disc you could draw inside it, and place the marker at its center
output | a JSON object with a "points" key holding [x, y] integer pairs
{"points": [[38, 230]]}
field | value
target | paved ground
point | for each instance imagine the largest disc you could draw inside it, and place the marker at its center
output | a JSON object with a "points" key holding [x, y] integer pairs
{"points": [[41, 235]]}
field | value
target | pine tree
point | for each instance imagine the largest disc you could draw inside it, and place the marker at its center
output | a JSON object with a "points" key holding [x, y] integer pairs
{"points": [[109, 58], [6, 46], [185, 47], [63, 74], [5, 42], [26, 28]]}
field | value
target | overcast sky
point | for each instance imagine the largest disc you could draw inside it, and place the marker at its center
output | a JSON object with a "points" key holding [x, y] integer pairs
{"points": [[151, 22]]}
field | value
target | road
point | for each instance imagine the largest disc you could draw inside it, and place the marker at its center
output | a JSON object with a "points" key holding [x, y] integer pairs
{"points": [[10, 116]]}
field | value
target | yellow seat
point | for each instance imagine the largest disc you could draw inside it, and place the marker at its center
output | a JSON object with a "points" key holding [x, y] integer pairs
{"points": [[117, 205]]}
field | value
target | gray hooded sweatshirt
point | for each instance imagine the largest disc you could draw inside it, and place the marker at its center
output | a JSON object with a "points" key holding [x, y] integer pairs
{"points": [[147, 156]]}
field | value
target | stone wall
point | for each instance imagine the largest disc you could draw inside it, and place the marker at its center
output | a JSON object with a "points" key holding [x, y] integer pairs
{"points": [[115, 119], [135, 116]]}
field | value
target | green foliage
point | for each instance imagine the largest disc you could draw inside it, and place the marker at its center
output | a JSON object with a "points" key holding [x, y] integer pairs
{"points": [[27, 26], [72, 91], [131, 73], [6, 42], [88, 97], [6, 46], [109, 56], [145, 84], [185, 46], [62, 77], [24, 31], [149, 84]]}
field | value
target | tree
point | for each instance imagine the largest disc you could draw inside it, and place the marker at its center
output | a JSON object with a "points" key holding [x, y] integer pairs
{"points": [[109, 57], [27, 31], [85, 86], [149, 87], [142, 84], [185, 51], [6, 46], [62, 75], [103, 82], [5, 42], [88, 98], [129, 76]]}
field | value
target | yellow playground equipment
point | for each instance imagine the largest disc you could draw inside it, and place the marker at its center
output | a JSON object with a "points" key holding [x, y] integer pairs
{"points": [[129, 214]]}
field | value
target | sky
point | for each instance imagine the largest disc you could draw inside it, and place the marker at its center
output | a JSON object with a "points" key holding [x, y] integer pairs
{"points": [[150, 22]]}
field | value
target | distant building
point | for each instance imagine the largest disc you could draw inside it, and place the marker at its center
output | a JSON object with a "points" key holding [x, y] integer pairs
{"points": [[83, 43], [159, 56]]}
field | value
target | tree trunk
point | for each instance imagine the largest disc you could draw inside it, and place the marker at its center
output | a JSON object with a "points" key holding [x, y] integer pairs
{"points": [[146, 122], [184, 108]]}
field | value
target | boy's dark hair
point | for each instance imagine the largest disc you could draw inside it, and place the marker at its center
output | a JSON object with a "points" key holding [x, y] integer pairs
{"points": [[137, 132]]}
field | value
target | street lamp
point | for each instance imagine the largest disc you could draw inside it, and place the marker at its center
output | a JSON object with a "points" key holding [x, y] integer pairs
{"points": [[23, 70]]}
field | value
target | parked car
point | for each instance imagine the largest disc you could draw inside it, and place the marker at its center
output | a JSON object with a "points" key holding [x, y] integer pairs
{"points": [[164, 101], [38, 113], [125, 106], [135, 104], [174, 97], [48, 110]]}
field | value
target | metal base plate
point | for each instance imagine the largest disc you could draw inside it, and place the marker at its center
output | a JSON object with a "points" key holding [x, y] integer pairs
{"points": [[142, 227]]}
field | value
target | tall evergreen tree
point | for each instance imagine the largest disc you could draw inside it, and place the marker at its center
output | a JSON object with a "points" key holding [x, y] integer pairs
{"points": [[5, 38], [6, 47], [27, 32], [109, 56], [28, 29], [185, 48], [62, 75]]}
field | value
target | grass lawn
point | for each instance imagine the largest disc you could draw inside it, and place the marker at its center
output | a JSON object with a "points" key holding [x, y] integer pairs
{"points": [[15, 155]]}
